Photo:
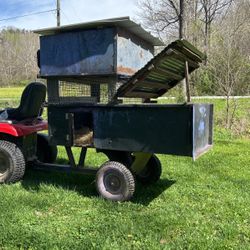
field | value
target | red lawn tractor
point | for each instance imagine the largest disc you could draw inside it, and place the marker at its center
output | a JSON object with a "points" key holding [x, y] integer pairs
{"points": [[20, 140]]}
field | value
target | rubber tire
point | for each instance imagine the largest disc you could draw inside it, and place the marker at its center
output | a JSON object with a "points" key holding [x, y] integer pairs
{"points": [[45, 152], [120, 156], [14, 156], [151, 173], [126, 181]]}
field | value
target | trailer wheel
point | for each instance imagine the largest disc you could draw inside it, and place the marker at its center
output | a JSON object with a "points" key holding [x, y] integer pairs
{"points": [[12, 163], [151, 173], [45, 152], [115, 182]]}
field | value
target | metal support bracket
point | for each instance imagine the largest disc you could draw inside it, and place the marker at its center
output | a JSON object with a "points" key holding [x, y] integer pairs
{"points": [[72, 159], [70, 156], [187, 82], [63, 168], [140, 162], [82, 157]]}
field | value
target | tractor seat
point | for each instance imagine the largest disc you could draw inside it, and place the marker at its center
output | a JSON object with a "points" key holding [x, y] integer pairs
{"points": [[30, 106]]}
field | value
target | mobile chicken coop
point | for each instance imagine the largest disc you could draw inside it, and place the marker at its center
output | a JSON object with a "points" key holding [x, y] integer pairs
{"points": [[96, 73]]}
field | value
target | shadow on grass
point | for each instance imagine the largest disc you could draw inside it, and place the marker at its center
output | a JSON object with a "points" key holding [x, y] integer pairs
{"points": [[144, 195], [34, 180]]}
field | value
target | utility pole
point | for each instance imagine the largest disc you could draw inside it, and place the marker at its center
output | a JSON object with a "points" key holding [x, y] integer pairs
{"points": [[181, 17], [58, 13]]}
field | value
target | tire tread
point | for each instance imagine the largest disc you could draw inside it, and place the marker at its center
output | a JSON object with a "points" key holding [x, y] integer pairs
{"points": [[18, 161], [127, 174]]}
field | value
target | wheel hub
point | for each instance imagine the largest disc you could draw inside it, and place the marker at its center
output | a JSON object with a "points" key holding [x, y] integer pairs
{"points": [[112, 183]]}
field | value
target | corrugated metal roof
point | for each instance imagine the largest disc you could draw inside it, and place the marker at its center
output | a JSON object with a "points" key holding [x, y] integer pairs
{"points": [[123, 22], [163, 72]]}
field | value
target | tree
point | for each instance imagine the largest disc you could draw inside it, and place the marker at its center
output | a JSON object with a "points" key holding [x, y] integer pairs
{"points": [[210, 9], [228, 63], [164, 15], [18, 56]]}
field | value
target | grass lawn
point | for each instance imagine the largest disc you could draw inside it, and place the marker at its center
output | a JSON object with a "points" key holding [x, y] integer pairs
{"points": [[9, 97], [196, 205], [14, 92]]}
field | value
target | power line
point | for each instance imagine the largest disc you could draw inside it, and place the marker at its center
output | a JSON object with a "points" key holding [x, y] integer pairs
{"points": [[30, 14], [74, 10]]}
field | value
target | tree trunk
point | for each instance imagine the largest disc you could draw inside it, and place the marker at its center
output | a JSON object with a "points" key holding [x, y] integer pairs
{"points": [[181, 19], [227, 112], [182, 24]]}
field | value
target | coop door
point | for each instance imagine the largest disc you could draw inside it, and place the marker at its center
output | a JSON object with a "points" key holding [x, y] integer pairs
{"points": [[60, 127], [83, 129]]}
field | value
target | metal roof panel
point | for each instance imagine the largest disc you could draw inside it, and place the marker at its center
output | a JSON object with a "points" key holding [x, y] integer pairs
{"points": [[123, 22], [163, 72]]}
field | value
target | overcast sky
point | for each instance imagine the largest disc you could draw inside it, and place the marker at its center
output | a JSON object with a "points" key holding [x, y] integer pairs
{"points": [[73, 11]]}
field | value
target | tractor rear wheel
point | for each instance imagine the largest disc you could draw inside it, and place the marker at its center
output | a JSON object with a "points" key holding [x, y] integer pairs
{"points": [[12, 162], [115, 182], [151, 173]]}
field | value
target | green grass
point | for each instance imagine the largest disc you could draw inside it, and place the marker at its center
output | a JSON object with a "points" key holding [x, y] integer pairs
{"points": [[241, 116], [9, 97], [243, 105], [196, 205], [14, 92]]}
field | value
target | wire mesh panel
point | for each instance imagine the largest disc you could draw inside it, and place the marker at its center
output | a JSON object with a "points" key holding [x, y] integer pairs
{"points": [[69, 89], [131, 100], [62, 92]]}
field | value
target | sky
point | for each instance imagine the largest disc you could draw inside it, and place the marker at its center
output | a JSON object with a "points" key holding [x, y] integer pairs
{"points": [[72, 11]]}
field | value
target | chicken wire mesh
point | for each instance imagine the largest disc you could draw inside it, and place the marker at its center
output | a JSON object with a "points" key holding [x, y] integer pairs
{"points": [[73, 92]]}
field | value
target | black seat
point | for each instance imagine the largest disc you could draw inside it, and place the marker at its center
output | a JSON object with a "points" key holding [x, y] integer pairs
{"points": [[31, 103]]}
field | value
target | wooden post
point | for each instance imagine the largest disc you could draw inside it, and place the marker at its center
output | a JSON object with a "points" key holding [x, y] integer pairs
{"points": [[187, 82], [96, 91], [53, 90], [182, 34]]}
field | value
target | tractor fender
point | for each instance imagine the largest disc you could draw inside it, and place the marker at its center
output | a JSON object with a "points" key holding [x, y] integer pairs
{"points": [[18, 130]]}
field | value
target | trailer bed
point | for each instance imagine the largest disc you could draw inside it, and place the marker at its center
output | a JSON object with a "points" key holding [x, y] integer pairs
{"points": [[165, 129]]}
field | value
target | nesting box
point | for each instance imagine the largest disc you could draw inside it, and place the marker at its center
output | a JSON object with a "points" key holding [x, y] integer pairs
{"points": [[111, 47]]}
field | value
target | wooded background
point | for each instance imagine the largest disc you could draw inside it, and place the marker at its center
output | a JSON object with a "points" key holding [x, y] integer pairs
{"points": [[18, 64], [220, 28]]}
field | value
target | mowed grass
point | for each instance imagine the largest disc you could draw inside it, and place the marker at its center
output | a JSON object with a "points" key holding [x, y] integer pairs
{"points": [[10, 97], [195, 205], [13, 92]]}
